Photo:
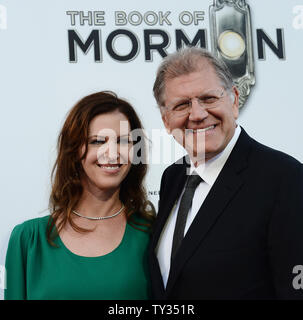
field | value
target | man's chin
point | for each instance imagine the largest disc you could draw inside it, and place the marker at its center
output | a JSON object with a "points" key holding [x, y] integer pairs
{"points": [[197, 156], [196, 153]]}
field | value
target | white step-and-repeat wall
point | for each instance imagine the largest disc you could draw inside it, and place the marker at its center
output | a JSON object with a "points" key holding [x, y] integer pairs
{"points": [[52, 53]]}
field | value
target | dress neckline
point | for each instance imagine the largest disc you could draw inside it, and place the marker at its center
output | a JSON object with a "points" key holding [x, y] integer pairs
{"points": [[107, 255]]}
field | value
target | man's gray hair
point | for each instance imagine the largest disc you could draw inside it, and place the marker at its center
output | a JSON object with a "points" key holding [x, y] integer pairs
{"points": [[185, 61]]}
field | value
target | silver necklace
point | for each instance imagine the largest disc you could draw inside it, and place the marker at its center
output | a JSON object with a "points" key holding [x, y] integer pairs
{"points": [[99, 218]]}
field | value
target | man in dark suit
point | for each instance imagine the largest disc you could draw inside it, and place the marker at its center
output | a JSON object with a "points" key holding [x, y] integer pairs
{"points": [[230, 220]]}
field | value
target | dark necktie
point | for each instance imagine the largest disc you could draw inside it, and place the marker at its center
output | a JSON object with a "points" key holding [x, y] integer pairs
{"points": [[185, 204]]}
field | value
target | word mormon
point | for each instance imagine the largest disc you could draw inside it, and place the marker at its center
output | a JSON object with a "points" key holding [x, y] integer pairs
{"points": [[93, 42]]}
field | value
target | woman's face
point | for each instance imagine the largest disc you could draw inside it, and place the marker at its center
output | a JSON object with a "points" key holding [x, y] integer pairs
{"points": [[108, 159]]}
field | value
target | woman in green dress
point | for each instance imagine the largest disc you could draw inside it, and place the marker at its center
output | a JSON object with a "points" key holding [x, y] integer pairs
{"points": [[93, 245]]}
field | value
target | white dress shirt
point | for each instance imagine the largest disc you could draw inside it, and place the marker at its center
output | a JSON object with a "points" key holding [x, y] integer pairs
{"points": [[209, 173]]}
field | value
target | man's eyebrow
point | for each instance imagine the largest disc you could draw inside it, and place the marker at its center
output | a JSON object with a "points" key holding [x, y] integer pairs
{"points": [[177, 100]]}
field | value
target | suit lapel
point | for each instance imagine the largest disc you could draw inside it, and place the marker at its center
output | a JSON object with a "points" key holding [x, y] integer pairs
{"points": [[226, 186]]}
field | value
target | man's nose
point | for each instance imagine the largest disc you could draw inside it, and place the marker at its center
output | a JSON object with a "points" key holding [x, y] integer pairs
{"points": [[197, 112]]}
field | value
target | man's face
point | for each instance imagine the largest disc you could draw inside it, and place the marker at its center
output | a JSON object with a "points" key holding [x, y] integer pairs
{"points": [[200, 131]]}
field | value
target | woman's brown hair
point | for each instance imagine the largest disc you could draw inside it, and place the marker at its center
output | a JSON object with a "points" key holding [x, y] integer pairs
{"points": [[66, 184]]}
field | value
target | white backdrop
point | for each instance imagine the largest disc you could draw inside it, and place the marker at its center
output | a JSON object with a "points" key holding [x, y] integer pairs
{"points": [[39, 84]]}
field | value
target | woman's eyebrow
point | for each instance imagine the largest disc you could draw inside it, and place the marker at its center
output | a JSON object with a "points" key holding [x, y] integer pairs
{"points": [[98, 136]]}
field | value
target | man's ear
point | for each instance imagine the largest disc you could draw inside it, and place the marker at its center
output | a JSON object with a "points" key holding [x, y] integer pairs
{"points": [[235, 106]]}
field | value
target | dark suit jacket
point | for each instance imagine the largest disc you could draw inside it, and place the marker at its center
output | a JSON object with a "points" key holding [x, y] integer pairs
{"points": [[248, 235]]}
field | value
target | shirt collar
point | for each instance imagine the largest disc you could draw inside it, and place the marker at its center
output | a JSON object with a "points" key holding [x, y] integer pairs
{"points": [[210, 170]]}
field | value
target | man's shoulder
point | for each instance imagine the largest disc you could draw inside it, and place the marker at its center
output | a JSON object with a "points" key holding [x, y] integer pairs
{"points": [[266, 153], [266, 158]]}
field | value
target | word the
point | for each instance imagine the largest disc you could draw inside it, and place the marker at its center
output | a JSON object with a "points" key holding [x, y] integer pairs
{"points": [[95, 18], [3, 17], [298, 280]]}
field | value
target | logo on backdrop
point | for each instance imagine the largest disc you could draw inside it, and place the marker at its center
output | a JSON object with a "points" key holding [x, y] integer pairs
{"points": [[231, 38], [230, 27]]}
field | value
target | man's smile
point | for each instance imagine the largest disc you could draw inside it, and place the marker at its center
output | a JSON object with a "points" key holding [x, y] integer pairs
{"points": [[198, 130]]}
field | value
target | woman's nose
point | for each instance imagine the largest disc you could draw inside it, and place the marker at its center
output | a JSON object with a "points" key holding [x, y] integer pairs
{"points": [[108, 153]]}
